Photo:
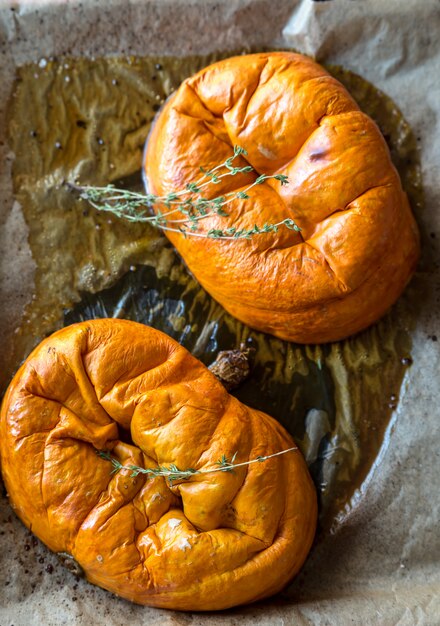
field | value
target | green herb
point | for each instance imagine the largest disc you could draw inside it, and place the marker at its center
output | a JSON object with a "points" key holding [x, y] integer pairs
{"points": [[173, 473], [136, 207]]}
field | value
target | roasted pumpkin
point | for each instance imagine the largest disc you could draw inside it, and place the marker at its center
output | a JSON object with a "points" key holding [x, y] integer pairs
{"points": [[358, 244], [214, 541]]}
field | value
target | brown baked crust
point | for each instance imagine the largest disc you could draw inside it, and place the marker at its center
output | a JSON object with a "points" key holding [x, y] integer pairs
{"points": [[359, 243], [213, 542]]}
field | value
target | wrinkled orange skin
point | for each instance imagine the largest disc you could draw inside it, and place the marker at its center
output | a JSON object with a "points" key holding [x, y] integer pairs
{"points": [[359, 242], [212, 542]]}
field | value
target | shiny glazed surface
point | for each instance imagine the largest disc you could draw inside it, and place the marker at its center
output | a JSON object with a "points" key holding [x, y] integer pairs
{"points": [[358, 244], [212, 542]]}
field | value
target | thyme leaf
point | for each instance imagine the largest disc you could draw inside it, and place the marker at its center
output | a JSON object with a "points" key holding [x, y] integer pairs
{"points": [[136, 207]]}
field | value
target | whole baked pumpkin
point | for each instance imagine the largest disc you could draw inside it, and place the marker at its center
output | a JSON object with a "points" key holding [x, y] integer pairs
{"points": [[214, 541], [358, 244]]}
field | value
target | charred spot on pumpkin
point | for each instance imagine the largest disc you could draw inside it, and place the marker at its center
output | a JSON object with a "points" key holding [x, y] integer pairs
{"points": [[69, 563], [232, 367], [317, 155]]}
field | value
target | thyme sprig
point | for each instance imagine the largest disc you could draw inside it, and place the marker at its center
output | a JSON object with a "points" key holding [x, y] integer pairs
{"points": [[190, 202], [173, 473]]}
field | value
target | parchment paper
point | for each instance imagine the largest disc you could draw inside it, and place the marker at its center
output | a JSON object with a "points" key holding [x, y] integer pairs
{"points": [[382, 565]]}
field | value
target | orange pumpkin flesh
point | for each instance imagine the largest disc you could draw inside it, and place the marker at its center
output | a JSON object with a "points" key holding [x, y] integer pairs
{"points": [[359, 242], [212, 542]]}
